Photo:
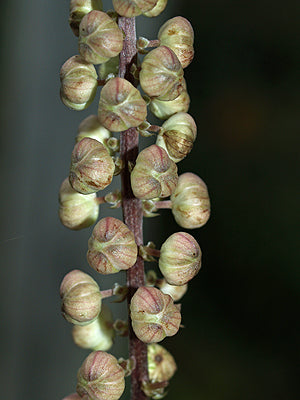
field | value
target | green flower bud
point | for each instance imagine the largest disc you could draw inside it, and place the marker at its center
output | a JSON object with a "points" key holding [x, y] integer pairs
{"points": [[161, 74], [78, 83], [76, 211], [190, 202], [100, 377], [100, 38], [180, 258], [121, 106], [177, 34], [157, 9], [161, 364], [73, 396], [78, 9], [176, 292], [154, 174], [109, 69], [177, 136], [165, 109], [90, 127], [98, 335], [92, 167], [81, 298], [133, 8], [111, 247], [154, 315]]}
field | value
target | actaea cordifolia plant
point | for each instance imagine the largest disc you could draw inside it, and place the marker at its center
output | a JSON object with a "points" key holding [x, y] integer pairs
{"points": [[113, 59]]}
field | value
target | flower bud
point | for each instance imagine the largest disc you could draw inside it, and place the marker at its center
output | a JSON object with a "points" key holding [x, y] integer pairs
{"points": [[177, 136], [176, 292], [111, 247], [165, 109], [73, 396], [161, 74], [154, 174], [161, 364], [100, 377], [90, 127], [180, 258], [177, 34], [133, 8], [121, 106], [98, 335], [92, 167], [109, 69], [154, 315], [81, 298], [157, 9], [76, 211], [78, 9], [100, 38], [190, 202], [78, 83]]}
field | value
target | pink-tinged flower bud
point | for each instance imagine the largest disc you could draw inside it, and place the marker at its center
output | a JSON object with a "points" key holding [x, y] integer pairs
{"points": [[100, 377], [161, 74], [100, 38], [78, 83], [165, 109], [73, 396], [190, 202], [133, 8], [98, 335], [154, 315], [177, 34], [161, 364], [76, 210], [154, 174], [92, 167], [90, 127], [121, 106], [180, 258], [81, 298], [177, 136], [78, 9], [176, 292], [111, 247], [157, 9]]}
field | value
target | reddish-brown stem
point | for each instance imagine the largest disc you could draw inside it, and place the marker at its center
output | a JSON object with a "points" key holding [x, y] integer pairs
{"points": [[152, 252], [154, 128], [107, 293], [100, 200], [154, 43], [163, 204], [132, 211]]}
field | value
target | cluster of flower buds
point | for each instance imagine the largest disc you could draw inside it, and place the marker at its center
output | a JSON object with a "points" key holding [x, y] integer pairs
{"points": [[113, 246]]}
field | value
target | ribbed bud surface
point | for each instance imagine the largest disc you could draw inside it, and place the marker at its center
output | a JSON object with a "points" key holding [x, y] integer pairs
{"points": [[190, 202], [100, 377], [176, 292], [165, 109], [133, 8], [154, 315], [154, 174], [157, 9], [90, 127], [111, 247], [161, 364], [180, 258], [78, 9]]}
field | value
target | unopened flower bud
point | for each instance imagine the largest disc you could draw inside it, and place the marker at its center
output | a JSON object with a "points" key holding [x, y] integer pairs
{"points": [[133, 8], [154, 315], [111, 247], [165, 109], [180, 258], [109, 69], [177, 34], [190, 202], [78, 9], [157, 9], [121, 106], [154, 174], [100, 38], [81, 298], [90, 127], [161, 74], [161, 364], [92, 167], [73, 396], [76, 210], [78, 83], [176, 292], [100, 377], [98, 335], [177, 136]]}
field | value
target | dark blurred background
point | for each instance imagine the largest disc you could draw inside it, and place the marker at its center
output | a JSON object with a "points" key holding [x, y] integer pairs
{"points": [[240, 339]]}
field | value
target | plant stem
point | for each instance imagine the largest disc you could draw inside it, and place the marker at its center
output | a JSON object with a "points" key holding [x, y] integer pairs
{"points": [[132, 211]]}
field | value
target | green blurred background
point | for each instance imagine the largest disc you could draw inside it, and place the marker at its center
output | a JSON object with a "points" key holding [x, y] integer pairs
{"points": [[240, 314]]}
